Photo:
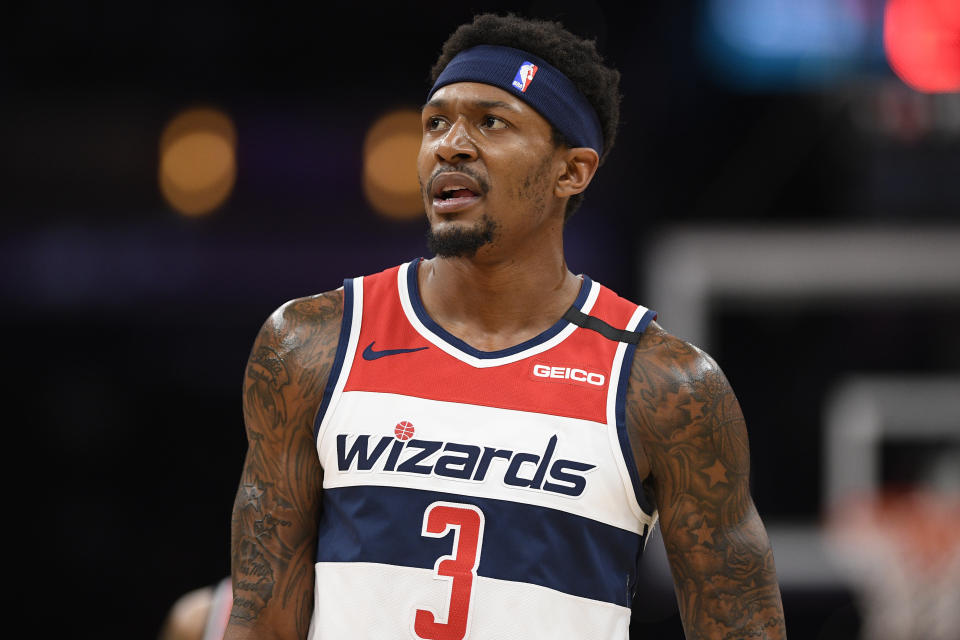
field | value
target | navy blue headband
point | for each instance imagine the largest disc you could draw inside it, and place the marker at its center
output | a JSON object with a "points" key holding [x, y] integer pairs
{"points": [[535, 82]]}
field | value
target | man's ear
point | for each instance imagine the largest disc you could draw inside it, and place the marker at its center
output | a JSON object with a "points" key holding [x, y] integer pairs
{"points": [[580, 163]]}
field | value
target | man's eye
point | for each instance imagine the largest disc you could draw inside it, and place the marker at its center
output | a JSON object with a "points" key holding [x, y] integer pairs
{"points": [[436, 123], [493, 122]]}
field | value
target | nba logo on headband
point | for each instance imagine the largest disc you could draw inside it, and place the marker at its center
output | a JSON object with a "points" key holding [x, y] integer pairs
{"points": [[524, 76], [556, 98]]}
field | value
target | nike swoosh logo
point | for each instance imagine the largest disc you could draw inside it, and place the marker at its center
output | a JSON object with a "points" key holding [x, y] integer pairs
{"points": [[370, 354]]}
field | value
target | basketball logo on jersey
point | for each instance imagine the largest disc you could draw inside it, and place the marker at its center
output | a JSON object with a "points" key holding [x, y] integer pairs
{"points": [[403, 431], [524, 76]]}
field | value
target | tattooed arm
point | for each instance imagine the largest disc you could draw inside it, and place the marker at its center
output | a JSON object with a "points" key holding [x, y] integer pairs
{"points": [[278, 501], [690, 443]]}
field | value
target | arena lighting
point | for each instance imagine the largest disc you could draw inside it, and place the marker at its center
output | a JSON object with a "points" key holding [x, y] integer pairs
{"points": [[390, 165], [198, 165], [762, 44], [922, 42]]}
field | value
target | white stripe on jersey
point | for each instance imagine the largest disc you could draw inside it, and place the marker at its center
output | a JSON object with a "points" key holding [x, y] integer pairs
{"points": [[376, 414], [500, 608]]}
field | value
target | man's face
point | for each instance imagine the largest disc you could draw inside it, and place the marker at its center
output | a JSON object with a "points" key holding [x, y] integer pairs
{"points": [[487, 168]]}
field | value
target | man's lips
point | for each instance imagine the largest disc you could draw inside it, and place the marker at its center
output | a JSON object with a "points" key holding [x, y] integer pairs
{"points": [[453, 191], [460, 200]]}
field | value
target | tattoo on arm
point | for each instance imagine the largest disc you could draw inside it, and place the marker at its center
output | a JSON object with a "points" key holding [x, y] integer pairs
{"points": [[685, 418], [278, 501]]}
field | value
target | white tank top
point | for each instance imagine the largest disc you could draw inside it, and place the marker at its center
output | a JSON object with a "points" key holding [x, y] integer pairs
{"points": [[471, 494]]}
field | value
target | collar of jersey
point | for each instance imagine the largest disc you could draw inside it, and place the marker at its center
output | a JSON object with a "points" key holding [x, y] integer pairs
{"points": [[426, 326]]}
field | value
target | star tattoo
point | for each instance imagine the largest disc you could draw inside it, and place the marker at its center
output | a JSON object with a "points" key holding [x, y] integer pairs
{"points": [[254, 492], [717, 473], [704, 533]]}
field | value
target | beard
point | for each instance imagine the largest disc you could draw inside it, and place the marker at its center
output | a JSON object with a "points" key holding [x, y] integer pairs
{"points": [[462, 242]]}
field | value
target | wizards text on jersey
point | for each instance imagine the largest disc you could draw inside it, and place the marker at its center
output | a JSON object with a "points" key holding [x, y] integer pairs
{"points": [[459, 461]]}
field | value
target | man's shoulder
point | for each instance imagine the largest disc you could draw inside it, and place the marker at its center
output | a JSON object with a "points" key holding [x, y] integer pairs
{"points": [[324, 309], [676, 360], [307, 329], [678, 396], [314, 310], [303, 326]]}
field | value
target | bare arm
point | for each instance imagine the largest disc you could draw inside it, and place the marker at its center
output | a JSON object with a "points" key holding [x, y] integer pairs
{"points": [[278, 501], [688, 432]]}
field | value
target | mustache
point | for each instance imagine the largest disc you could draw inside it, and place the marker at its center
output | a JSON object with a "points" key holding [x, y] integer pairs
{"points": [[465, 170]]}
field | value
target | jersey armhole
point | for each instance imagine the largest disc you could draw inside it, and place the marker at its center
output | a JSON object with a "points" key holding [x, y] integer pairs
{"points": [[641, 503], [343, 359], [623, 439]]}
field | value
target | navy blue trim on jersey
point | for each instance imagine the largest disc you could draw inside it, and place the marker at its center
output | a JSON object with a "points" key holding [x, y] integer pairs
{"points": [[345, 325], [645, 321], [642, 499], [413, 289], [521, 542]]}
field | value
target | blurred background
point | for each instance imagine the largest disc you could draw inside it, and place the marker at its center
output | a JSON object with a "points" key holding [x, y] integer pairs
{"points": [[784, 191]]}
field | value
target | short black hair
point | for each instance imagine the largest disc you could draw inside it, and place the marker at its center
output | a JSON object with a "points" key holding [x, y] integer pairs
{"points": [[577, 58]]}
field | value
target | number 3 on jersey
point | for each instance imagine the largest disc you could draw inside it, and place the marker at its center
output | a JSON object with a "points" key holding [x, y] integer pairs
{"points": [[459, 568]]}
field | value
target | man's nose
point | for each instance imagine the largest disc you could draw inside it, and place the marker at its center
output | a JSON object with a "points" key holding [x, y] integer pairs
{"points": [[456, 144]]}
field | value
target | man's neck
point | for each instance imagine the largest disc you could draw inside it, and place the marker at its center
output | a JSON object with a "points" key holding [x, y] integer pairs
{"points": [[497, 304]]}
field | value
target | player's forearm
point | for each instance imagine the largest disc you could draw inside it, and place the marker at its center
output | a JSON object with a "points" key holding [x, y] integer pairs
{"points": [[274, 621], [274, 520], [727, 588], [273, 541], [272, 567], [285, 617]]}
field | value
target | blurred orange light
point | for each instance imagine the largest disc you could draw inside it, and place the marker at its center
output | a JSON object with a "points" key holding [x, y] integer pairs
{"points": [[198, 161], [922, 42], [390, 165]]}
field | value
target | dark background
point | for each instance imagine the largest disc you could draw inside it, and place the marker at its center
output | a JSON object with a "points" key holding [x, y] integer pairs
{"points": [[128, 326]]}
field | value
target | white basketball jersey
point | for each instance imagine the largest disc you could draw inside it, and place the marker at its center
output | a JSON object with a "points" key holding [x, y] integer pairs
{"points": [[476, 495]]}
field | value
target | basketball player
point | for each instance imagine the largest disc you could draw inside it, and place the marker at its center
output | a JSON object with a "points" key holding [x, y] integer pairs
{"points": [[477, 445]]}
